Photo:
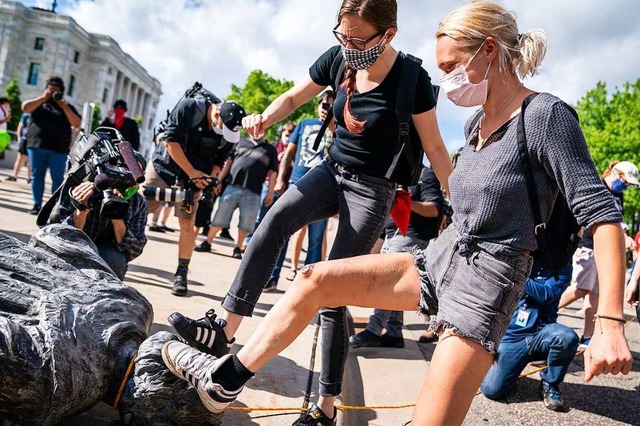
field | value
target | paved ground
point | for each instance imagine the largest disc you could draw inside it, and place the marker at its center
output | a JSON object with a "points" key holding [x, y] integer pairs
{"points": [[374, 377]]}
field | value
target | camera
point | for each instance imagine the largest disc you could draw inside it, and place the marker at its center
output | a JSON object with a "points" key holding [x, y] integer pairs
{"points": [[57, 96], [180, 195], [108, 161], [325, 106]]}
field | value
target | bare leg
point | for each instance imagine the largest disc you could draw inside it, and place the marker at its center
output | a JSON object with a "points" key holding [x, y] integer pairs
{"points": [[590, 307], [570, 295], [166, 210], [187, 238], [385, 281], [213, 231], [241, 236], [456, 371]]}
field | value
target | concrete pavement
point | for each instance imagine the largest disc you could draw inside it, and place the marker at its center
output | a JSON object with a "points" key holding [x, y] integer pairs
{"points": [[373, 377]]}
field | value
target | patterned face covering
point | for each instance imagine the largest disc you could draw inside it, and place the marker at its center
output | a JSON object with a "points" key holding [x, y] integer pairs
{"points": [[363, 59]]}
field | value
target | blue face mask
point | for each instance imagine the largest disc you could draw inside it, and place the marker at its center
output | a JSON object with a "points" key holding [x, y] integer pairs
{"points": [[618, 185]]}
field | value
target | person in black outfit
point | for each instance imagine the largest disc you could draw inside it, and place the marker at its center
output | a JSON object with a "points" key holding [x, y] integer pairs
{"points": [[49, 137], [116, 118], [199, 136], [248, 165]]}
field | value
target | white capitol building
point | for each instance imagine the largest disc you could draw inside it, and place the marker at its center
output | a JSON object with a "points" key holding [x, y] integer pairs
{"points": [[36, 44]]}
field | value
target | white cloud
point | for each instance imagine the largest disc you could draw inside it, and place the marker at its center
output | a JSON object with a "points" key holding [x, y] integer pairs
{"points": [[219, 43]]}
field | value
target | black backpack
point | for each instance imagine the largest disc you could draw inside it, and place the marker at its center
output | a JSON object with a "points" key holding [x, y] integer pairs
{"points": [[164, 165], [409, 155], [558, 238]]}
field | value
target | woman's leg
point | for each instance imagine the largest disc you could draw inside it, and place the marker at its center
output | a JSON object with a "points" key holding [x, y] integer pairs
{"points": [[389, 281], [455, 374]]}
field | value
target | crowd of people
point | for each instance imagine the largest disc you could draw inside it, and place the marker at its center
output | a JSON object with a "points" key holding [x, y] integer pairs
{"points": [[491, 306]]}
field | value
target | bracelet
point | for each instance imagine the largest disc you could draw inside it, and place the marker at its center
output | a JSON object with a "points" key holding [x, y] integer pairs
{"points": [[609, 317]]}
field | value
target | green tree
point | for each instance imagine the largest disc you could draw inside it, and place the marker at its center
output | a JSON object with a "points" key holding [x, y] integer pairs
{"points": [[611, 126], [13, 94], [260, 90], [96, 117]]}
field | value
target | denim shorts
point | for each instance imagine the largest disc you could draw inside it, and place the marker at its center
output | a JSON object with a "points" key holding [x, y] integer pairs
{"points": [[471, 295], [235, 197]]}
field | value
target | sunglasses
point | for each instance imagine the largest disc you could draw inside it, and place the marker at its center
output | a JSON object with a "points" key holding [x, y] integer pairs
{"points": [[357, 43]]}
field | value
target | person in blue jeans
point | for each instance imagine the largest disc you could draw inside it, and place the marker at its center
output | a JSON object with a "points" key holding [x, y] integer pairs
{"points": [[534, 335], [49, 137]]}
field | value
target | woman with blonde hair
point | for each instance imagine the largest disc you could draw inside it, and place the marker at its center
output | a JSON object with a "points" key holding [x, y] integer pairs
{"points": [[473, 275]]}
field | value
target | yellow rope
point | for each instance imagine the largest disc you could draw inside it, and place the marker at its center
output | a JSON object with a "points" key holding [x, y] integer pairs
{"points": [[383, 407], [116, 402]]}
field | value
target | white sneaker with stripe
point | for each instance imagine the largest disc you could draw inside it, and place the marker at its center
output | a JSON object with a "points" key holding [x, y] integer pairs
{"points": [[196, 367]]}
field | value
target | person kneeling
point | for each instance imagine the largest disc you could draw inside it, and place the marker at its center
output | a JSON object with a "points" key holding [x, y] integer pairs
{"points": [[119, 241], [534, 335]]}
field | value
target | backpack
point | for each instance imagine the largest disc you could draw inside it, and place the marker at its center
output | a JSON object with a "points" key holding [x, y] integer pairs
{"points": [[409, 155], [164, 165], [558, 238]]}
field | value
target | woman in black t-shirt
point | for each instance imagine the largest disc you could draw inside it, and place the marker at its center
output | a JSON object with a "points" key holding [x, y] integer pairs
{"points": [[351, 182]]}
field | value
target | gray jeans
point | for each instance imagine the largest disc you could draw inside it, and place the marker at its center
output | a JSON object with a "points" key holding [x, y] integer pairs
{"points": [[382, 319], [362, 203]]}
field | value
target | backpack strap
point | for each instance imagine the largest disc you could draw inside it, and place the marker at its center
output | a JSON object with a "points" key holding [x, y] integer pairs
{"points": [[337, 75], [404, 108], [540, 226]]}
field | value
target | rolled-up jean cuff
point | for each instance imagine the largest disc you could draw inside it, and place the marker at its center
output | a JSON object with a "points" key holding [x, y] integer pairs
{"points": [[237, 305], [330, 389]]}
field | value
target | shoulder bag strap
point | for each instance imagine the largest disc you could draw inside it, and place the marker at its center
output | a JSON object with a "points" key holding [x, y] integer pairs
{"points": [[337, 74], [404, 108], [540, 226]]}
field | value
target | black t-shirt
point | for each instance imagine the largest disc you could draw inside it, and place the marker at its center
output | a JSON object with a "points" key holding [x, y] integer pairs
{"points": [[204, 147], [251, 163], [587, 237], [372, 151], [420, 227], [50, 128]]}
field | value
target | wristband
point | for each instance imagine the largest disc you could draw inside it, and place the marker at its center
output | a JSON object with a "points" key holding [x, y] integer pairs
{"points": [[609, 317]]}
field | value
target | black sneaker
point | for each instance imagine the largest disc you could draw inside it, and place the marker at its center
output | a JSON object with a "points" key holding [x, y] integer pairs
{"points": [[179, 284], [35, 210], [206, 334], [237, 253], [11, 179], [315, 417], [391, 342], [272, 285], [203, 247], [156, 228], [225, 234], [365, 339], [551, 397], [167, 229]]}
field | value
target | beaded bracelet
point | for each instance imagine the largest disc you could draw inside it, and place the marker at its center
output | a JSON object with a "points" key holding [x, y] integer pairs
{"points": [[609, 317]]}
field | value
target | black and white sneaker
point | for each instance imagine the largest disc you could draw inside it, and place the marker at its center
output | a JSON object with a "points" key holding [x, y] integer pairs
{"points": [[196, 368], [315, 417], [205, 334]]}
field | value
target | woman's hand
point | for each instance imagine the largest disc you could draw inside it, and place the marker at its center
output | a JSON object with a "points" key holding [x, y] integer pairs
{"points": [[255, 125], [631, 294], [608, 351]]}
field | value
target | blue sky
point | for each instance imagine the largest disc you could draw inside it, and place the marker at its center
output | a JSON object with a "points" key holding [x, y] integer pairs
{"points": [[220, 43]]}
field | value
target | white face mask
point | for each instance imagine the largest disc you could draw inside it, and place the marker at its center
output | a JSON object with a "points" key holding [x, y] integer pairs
{"points": [[461, 91]]}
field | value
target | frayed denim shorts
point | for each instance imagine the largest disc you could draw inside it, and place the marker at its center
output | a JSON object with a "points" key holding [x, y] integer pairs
{"points": [[470, 293]]}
